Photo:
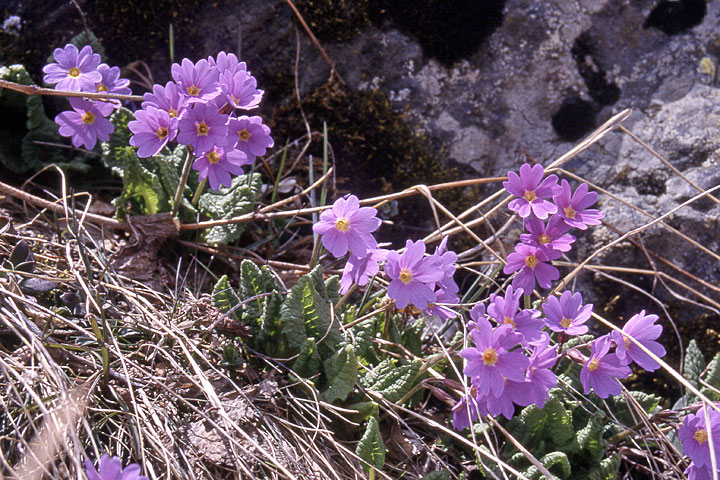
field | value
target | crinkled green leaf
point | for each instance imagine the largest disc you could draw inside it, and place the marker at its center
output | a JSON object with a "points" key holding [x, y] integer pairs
{"points": [[307, 363], [142, 189], [113, 151], [607, 469], [371, 447], [438, 475], [341, 371], [411, 336], [712, 378], [365, 410], [225, 203], [392, 381], [363, 333], [556, 462], [590, 438], [269, 338], [332, 285], [223, 296], [694, 363], [552, 423]]}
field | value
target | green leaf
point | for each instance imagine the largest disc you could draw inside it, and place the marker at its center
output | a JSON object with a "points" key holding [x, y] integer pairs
{"points": [[552, 424], [365, 410], [371, 447], [341, 371], [141, 188], [113, 150], [590, 438], [225, 203], [364, 333], [694, 363], [224, 297], [712, 378], [392, 381], [556, 462], [86, 37], [411, 336], [607, 469], [438, 475], [307, 364], [269, 339], [332, 285]]}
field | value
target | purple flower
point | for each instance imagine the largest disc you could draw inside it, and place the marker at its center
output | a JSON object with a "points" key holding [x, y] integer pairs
{"points": [[74, 71], [410, 275], [505, 312], [693, 472], [85, 124], [602, 369], [251, 135], [348, 226], [240, 90], [168, 98], [442, 311], [110, 83], [531, 261], [643, 329], [227, 62], [218, 164], [465, 412], [552, 236], [203, 127], [567, 314], [153, 129], [539, 374], [512, 393], [575, 210], [490, 362], [360, 270], [111, 469], [532, 190], [199, 81], [448, 259], [695, 437]]}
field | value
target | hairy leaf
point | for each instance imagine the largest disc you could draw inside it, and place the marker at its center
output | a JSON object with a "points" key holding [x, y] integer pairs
{"points": [[438, 475], [371, 447], [590, 438], [224, 297], [556, 462], [411, 336], [141, 189], [113, 150], [392, 381], [607, 469], [364, 333], [224, 203], [341, 371], [712, 378], [694, 363], [269, 338], [308, 362]]}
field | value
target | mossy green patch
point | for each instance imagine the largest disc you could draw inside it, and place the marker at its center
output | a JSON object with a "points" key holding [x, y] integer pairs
{"points": [[335, 20]]}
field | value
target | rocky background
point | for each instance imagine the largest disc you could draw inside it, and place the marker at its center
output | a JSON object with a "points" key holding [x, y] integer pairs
{"points": [[444, 89]]}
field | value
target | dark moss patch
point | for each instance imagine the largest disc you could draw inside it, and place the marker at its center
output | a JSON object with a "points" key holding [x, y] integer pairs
{"points": [[651, 184], [591, 70], [447, 30], [673, 17], [335, 20], [376, 151], [574, 119]]}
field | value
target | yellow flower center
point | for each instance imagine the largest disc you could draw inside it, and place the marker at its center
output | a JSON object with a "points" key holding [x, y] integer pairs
{"points": [[701, 436], [173, 113], [490, 357], [243, 135], [531, 261], [213, 157], [566, 322], [544, 238], [193, 91], [530, 195], [627, 342], [202, 129], [405, 276], [569, 212], [161, 132], [342, 224], [88, 118], [74, 72], [593, 364], [509, 321], [101, 87]]}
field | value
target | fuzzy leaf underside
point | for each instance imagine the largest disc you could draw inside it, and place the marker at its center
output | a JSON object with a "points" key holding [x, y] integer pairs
{"points": [[225, 203], [341, 371]]}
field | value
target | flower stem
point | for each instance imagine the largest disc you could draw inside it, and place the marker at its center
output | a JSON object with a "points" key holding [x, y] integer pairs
{"points": [[196, 195], [183, 182]]}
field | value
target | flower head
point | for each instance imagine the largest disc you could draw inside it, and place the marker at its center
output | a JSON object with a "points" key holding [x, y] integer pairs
{"points": [[490, 362], [438, 309], [348, 226], [552, 236], [642, 328], [111, 83], [227, 62], [505, 311], [532, 264], [250, 135], [532, 191], [574, 210], [203, 127], [539, 374], [153, 129], [567, 314], [111, 469], [448, 259], [84, 123], [602, 370], [74, 71], [168, 98], [360, 270], [465, 412], [199, 81], [218, 164], [695, 434], [411, 274], [693, 472], [240, 90]]}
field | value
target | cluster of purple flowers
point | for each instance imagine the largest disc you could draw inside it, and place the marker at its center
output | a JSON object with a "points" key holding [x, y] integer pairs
{"points": [[417, 279], [111, 468], [545, 242], [81, 71], [199, 109], [695, 434]]}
